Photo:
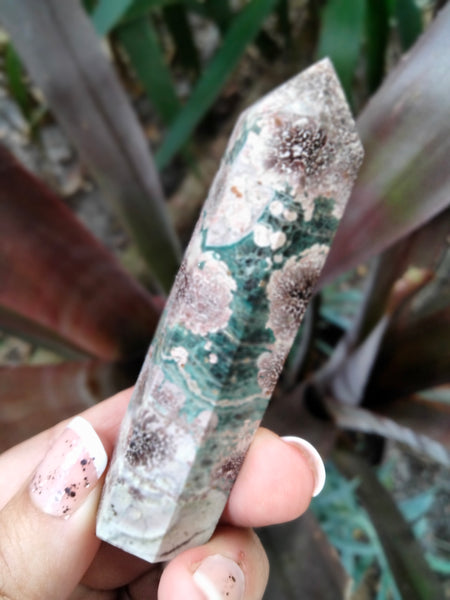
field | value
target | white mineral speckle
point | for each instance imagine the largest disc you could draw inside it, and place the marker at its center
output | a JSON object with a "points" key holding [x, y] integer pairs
{"points": [[276, 208], [180, 355], [234, 211], [262, 235], [213, 358], [277, 240], [290, 215], [134, 514], [205, 422]]}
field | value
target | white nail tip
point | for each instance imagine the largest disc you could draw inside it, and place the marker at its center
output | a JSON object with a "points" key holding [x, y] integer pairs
{"points": [[91, 442], [220, 578], [314, 459]]}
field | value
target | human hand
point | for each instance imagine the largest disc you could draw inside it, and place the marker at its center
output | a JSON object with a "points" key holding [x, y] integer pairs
{"points": [[43, 556]]}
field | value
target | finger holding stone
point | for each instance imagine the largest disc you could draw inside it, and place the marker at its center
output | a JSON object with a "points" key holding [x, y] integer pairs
{"points": [[231, 566], [276, 483], [17, 463], [47, 539]]}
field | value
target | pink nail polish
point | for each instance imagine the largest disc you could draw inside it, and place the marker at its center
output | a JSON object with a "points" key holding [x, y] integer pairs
{"points": [[69, 471]]}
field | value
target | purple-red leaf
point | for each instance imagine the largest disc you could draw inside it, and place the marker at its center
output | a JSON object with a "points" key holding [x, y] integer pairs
{"points": [[64, 58], [399, 344], [55, 276], [425, 417], [415, 355], [425, 429], [33, 398], [405, 177]]}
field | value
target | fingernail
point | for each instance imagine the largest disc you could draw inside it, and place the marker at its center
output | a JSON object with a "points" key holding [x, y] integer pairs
{"points": [[314, 460], [220, 578], [69, 471]]}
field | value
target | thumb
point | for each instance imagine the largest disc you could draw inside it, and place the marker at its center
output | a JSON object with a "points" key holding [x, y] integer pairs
{"points": [[47, 531]]}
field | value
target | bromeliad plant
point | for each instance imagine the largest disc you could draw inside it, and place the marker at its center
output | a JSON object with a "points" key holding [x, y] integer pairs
{"points": [[364, 357]]}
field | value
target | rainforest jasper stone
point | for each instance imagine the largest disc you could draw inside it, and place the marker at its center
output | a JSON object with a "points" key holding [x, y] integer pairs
{"points": [[232, 316]]}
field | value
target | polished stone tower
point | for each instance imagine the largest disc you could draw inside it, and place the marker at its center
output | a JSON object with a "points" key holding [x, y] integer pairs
{"points": [[231, 318]]}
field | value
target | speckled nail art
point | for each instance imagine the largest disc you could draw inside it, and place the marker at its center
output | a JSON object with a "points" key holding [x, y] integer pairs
{"points": [[220, 578], [69, 471]]}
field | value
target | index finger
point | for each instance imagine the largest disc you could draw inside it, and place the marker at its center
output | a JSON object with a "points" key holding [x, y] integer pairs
{"points": [[275, 484]]}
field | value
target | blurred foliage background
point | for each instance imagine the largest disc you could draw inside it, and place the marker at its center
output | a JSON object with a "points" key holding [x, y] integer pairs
{"points": [[113, 118]]}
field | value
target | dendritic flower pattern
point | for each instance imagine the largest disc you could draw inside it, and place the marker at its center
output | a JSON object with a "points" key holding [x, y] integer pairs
{"points": [[298, 149], [146, 445], [204, 294], [270, 365], [290, 289]]}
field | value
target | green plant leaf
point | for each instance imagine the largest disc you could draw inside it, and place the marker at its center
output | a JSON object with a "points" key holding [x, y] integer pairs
{"points": [[34, 398], [15, 77], [141, 8], [108, 13], [243, 30], [89, 5], [438, 564], [219, 12], [341, 37], [416, 507], [377, 32], [303, 562], [63, 56], [140, 42], [58, 282], [284, 23], [340, 303], [177, 22], [409, 22], [414, 578], [344, 521], [404, 180], [222, 14]]}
